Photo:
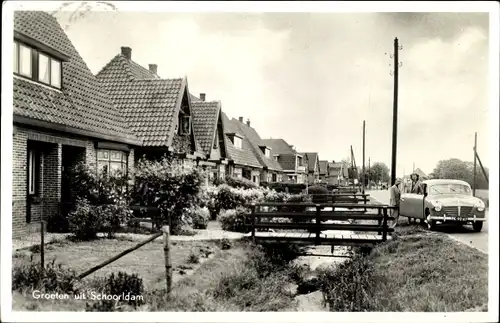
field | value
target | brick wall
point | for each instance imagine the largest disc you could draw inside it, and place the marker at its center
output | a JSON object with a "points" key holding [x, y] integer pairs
{"points": [[52, 161]]}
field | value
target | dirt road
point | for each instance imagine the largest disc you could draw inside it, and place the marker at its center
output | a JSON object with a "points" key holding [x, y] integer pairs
{"points": [[478, 240]]}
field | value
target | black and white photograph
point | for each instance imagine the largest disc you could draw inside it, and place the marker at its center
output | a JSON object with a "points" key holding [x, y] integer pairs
{"points": [[296, 161]]}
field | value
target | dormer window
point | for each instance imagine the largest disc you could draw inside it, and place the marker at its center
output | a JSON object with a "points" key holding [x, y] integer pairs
{"points": [[238, 143], [36, 65], [267, 152], [276, 157]]}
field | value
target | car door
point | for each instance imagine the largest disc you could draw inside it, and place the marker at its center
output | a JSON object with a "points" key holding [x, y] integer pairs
{"points": [[406, 205]]}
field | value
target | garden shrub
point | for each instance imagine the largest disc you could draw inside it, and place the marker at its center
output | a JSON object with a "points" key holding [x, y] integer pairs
{"points": [[240, 182], [200, 216], [85, 221], [54, 278], [236, 220], [101, 202], [297, 198], [169, 186], [208, 198]]}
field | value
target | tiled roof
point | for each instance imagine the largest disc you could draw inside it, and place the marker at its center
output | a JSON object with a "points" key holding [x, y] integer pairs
{"points": [[323, 167], [81, 104], [244, 156], [279, 146], [205, 117], [255, 141], [149, 104], [311, 159]]}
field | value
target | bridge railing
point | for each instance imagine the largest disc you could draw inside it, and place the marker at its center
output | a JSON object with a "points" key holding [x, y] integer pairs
{"points": [[311, 217]]}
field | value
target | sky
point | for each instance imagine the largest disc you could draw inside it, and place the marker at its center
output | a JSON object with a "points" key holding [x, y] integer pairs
{"points": [[312, 78]]}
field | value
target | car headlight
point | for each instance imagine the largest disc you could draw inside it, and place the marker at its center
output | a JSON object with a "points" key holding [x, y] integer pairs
{"points": [[480, 206], [437, 206]]}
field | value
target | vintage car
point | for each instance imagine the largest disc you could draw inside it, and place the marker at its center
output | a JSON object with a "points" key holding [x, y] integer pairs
{"points": [[444, 201]]}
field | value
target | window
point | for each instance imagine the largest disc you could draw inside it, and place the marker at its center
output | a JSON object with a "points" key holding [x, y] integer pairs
{"points": [[43, 69], [276, 158], [237, 142], [185, 125], [274, 178], [33, 172], [111, 161], [15, 57], [216, 140], [268, 152], [25, 61], [31, 63]]}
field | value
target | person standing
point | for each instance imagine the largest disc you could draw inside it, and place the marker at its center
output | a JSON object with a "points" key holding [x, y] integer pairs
{"points": [[415, 186], [395, 198]]}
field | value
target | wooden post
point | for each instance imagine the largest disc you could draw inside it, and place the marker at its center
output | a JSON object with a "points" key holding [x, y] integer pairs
{"points": [[168, 262], [318, 222], [379, 212], [364, 175], [42, 245], [475, 159], [253, 222], [482, 168], [384, 226], [395, 113]]}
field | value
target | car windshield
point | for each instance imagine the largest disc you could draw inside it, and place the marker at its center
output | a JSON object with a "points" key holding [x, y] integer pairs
{"points": [[449, 189]]}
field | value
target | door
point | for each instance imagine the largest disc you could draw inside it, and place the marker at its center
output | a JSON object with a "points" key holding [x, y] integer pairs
{"points": [[411, 205]]}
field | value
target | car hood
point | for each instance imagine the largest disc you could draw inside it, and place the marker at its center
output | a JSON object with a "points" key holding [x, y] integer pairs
{"points": [[455, 200]]}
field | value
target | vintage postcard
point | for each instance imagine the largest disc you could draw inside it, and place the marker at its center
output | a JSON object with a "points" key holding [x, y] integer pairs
{"points": [[296, 161]]}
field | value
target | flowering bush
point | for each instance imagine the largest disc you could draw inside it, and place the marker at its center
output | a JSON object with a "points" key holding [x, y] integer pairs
{"points": [[169, 186], [98, 203], [199, 216], [240, 182], [208, 198], [236, 220]]}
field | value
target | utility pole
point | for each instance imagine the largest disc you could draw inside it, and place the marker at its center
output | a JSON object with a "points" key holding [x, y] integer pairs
{"points": [[364, 175], [475, 160], [395, 112], [368, 172]]}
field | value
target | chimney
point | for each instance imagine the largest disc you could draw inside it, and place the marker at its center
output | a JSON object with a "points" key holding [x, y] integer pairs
{"points": [[248, 122], [241, 119], [202, 96], [127, 52], [153, 68]]}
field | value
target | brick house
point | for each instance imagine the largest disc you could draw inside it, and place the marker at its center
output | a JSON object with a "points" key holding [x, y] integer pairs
{"points": [[61, 117], [271, 170], [209, 131], [323, 171], [291, 161], [157, 110], [312, 167], [242, 160]]}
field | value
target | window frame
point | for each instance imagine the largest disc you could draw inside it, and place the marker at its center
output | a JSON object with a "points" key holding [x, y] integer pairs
{"points": [[108, 160], [267, 152], [238, 142], [33, 172], [34, 63]]}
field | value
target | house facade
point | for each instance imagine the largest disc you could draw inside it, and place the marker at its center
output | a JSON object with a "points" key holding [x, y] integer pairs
{"points": [[61, 117], [209, 131], [291, 161], [337, 173], [157, 110], [242, 161], [312, 166], [272, 171], [323, 171]]}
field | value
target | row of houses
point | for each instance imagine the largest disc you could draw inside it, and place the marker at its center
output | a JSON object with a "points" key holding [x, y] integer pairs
{"points": [[63, 115]]}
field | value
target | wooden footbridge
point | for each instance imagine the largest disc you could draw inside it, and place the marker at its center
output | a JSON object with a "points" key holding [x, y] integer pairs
{"points": [[332, 223]]}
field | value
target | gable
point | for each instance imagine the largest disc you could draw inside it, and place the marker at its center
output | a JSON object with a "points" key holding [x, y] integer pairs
{"points": [[149, 104]]}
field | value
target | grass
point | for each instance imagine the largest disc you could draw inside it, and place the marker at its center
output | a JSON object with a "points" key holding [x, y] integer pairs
{"points": [[147, 261], [227, 282], [419, 271]]}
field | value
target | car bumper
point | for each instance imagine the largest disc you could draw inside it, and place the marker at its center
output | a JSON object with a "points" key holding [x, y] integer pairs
{"points": [[444, 218]]}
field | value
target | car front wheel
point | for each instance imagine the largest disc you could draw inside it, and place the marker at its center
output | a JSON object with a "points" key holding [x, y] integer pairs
{"points": [[477, 226], [431, 224]]}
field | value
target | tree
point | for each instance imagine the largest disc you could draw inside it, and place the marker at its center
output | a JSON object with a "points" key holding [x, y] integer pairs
{"points": [[454, 168], [378, 172]]}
